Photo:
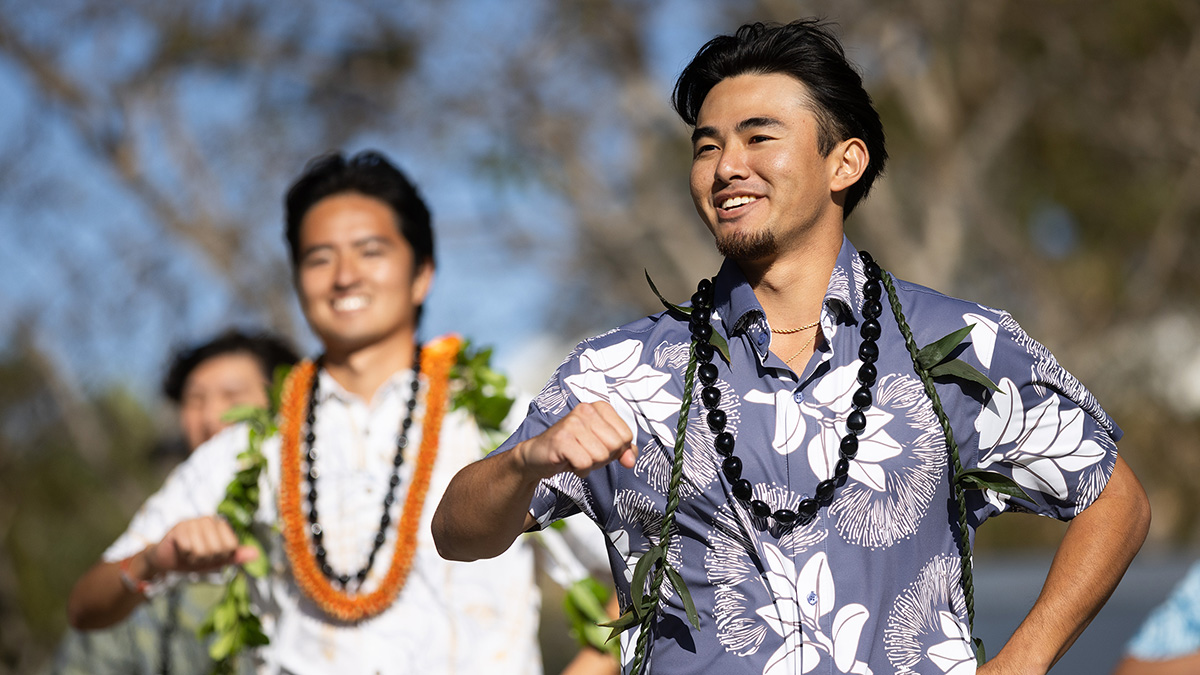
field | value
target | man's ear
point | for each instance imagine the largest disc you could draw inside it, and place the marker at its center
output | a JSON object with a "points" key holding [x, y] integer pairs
{"points": [[848, 161], [422, 282]]}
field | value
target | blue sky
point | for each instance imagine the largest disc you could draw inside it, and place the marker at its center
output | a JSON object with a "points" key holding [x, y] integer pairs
{"points": [[102, 283]]}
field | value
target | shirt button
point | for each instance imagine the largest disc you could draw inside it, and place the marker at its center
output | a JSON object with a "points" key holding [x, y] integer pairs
{"points": [[798, 396], [762, 339]]}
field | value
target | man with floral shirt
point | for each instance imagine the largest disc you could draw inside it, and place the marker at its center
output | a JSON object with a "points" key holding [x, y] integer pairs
{"points": [[807, 513]]}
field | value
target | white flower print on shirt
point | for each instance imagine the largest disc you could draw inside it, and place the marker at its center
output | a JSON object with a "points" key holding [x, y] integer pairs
{"points": [[798, 615], [829, 405], [637, 391], [1040, 444], [925, 629], [953, 655], [789, 423], [983, 337]]}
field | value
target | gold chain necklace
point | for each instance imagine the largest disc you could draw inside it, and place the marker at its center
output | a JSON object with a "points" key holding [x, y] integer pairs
{"points": [[788, 361], [789, 331]]}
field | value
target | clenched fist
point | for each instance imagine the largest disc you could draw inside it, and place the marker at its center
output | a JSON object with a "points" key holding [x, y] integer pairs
{"points": [[198, 545], [589, 437]]}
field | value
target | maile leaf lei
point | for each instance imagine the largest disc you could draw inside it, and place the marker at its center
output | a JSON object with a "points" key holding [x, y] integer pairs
{"points": [[936, 359], [715, 339], [232, 623]]}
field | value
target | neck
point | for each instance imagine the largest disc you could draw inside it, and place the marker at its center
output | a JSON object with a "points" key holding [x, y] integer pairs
{"points": [[791, 285], [362, 371]]}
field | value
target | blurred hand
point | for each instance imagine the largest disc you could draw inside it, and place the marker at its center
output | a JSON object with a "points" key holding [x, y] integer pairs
{"points": [[199, 545]]}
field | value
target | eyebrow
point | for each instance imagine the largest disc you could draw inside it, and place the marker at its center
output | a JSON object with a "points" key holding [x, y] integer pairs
{"points": [[357, 243], [748, 123]]}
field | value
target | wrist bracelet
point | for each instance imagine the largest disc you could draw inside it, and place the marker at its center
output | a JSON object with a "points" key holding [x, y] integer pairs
{"points": [[139, 586]]}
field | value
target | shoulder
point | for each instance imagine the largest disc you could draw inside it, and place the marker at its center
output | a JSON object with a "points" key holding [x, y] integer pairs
{"points": [[927, 309], [614, 354], [626, 347]]}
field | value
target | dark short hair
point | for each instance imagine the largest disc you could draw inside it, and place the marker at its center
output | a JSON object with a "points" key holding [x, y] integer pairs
{"points": [[269, 350], [368, 173], [808, 51]]}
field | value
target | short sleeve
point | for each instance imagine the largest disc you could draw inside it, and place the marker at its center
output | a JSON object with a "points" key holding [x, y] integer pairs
{"points": [[1172, 629], [564, 494], [1043, 429], [193, 489]]}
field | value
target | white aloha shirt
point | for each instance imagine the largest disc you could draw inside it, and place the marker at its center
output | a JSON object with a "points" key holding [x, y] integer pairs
{"points": [[462, 618], [871, 585]]}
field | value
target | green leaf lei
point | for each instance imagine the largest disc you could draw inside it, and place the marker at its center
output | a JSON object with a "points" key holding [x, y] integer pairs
{"points": [[232, 622]]}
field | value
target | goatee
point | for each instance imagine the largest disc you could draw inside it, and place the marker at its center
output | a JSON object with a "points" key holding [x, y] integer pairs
{"points": [[746, 247]]}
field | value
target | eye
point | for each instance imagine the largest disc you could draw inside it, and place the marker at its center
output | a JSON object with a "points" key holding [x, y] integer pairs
{"points": [[315, 260], [759, 138], [704, 148]]}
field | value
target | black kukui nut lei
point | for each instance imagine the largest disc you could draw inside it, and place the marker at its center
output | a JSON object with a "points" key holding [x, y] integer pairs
{"points": [[311, 475], [856, 422]]}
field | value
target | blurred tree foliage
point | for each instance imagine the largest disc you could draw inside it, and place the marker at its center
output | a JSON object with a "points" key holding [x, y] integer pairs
{"points": [[1045, 159]]}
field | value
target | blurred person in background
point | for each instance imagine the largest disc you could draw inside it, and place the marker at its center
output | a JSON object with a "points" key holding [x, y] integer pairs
{"points": [[1168, 642], [203, 381], [368, 434]]}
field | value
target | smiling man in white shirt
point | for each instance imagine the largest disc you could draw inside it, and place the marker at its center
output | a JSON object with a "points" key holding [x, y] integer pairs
{"points": [[355, 584]]}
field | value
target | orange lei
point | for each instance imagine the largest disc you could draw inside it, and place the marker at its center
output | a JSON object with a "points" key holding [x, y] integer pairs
{"points": [[437, 359]]}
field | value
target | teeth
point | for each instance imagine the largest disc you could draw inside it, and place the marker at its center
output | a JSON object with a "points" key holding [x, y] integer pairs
{"points": [[350, 304], [737, 201]]}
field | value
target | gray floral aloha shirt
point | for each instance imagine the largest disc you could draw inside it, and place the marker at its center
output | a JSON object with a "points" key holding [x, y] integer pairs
{"points": [[872, 584]]}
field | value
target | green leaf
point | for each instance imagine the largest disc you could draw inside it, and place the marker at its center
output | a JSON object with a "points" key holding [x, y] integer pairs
{"points": [[684, 595], [235, 513], [601, 640], [258, 567], [981, 479], [721, 345], [254, 635], [623, 623], [963, 370], [479, 389], [587, 597], [638, 585], [245, 413], [933, 354], [584, 606], [980, 653], [686, 311], [276, 390], [222, 647]]}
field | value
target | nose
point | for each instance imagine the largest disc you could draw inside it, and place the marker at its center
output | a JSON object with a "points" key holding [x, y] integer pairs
{"points": [[347, 272], [214, 409], [731, 166]]}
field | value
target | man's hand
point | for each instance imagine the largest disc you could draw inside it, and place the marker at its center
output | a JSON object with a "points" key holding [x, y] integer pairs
{"points": [[589, 437], [198, 545], [486, 506], [102, 597]]}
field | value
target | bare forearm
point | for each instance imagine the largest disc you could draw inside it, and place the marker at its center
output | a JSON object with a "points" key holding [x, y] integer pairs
{"points": [[100, 599], [484, 509], [1093, 556], [486, 505]]}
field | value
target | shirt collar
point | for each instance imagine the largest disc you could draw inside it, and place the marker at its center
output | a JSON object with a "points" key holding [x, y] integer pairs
{"points": [[740, 312], [329, 388]]}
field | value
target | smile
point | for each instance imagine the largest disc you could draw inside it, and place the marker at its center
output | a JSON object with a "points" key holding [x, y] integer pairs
{"points": [[350, 303], [735, 202]]}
